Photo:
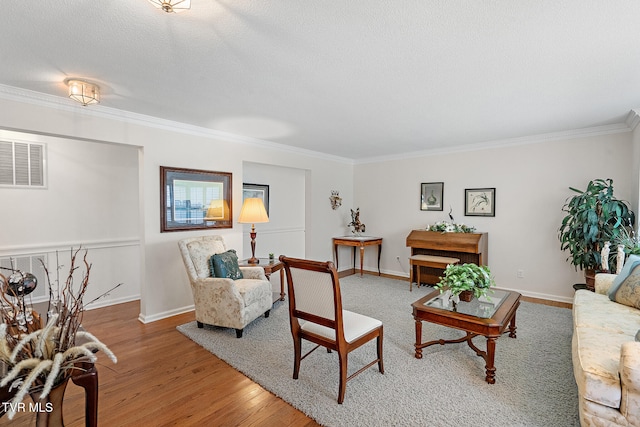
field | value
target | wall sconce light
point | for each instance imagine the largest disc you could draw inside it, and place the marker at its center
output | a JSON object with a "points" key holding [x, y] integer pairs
{"points": [[172, 6], [336, 200], [84, 92]]}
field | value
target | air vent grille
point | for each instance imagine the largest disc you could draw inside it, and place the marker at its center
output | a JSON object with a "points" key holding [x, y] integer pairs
{"points": [[22, 164]]}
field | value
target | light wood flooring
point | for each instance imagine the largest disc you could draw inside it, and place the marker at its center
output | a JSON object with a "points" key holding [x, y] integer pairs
{"points": [[162, 378]]}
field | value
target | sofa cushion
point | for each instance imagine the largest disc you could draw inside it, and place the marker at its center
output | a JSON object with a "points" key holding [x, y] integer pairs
{"points": [[200, 251], [597, 356], [225, 265], [601, 327], [626, 287], [594, 310]]}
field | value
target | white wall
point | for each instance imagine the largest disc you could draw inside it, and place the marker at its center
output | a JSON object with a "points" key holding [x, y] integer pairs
{"points": [[164, 285], [285, 231], [635, 196], [91, 200], [531, 184]]}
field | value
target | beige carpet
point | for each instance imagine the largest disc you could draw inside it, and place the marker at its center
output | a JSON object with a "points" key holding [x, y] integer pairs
{"points": [[534, 378]]}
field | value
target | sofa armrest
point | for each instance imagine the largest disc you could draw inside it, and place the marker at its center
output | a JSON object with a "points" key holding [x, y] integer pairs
{"points": [[604, 282], [253, 273], [630, 381]]}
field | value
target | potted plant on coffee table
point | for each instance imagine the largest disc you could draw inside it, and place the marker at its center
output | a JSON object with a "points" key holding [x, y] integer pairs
{"points": [[593, 216], [466, 281]]}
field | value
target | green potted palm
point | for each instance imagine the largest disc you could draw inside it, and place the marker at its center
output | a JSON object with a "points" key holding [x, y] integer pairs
{"points": [[593, 216], [466, 281]]}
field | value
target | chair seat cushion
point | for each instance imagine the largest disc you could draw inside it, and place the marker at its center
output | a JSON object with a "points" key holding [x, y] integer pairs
{"points": [[226, 265], [253, 290], [355, 326]]}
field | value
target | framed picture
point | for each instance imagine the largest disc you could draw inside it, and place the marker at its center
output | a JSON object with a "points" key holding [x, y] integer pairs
{"points": [[480, 202], [431, 196], [256, 190], [192, 199]]}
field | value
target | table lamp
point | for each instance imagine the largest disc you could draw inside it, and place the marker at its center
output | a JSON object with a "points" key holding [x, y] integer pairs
{"points": [[252, 212]]}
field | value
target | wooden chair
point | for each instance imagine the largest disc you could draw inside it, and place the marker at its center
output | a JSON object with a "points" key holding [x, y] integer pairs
{"points": [[314, 298]]}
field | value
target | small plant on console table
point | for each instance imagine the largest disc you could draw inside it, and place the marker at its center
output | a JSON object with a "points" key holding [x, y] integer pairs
{"points": [[466, 281]]}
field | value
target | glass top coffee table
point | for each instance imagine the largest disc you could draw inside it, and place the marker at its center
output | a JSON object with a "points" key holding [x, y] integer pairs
{"points": [[486, 317]]}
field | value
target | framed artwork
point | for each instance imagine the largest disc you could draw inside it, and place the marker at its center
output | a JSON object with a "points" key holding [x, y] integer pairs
{"points": [[192, 199], [256, 190], [480, 202], [431, 196]]}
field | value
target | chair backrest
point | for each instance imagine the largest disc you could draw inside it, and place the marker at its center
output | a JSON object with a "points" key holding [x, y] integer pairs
{"points": [[196, 252], [314, 293]]}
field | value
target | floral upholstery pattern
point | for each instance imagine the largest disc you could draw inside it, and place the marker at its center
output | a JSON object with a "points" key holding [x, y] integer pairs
{"points": [[626, 286], [606, 357], [200, 251], [223, 301]]}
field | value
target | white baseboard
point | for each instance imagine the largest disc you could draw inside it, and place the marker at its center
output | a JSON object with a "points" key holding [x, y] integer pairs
{"points": [[165, 314], [107, 302]]}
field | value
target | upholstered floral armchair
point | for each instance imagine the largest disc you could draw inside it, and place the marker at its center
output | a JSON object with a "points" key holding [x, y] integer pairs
{"points": [[223, 301]]}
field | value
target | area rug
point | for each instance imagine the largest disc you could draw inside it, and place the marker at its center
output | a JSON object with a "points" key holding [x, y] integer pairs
{"points": [[534, 377]]}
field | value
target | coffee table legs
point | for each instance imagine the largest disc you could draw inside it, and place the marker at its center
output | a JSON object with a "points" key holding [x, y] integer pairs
{"points": [[512, 326], [418, 344], [488, 356]]}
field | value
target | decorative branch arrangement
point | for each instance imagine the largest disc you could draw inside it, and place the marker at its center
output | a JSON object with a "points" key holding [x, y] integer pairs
{"points": [[41, 356]]}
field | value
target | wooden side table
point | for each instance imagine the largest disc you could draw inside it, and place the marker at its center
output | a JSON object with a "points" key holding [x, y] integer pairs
{"points": [[358, 242], [269, 266]]}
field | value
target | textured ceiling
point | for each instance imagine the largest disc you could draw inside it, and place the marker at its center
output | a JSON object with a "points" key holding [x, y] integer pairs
{"points": [[356, 78]]}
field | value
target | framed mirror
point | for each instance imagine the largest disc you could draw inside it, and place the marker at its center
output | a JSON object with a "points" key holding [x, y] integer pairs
{"points": [[192, 199]]}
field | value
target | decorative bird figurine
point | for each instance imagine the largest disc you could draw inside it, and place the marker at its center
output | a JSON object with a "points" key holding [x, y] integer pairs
{"points": [[450, 210]]}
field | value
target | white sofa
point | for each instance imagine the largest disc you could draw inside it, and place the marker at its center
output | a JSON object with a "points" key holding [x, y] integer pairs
{"points": [[606, 357]]}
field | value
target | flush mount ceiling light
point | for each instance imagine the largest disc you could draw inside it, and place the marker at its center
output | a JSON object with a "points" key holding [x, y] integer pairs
{"points": [[84, 92], [170, 6]]}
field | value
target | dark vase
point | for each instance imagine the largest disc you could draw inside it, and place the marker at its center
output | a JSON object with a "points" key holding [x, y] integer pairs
{"points": [[590, 278], [49, 409], [466, 296]]}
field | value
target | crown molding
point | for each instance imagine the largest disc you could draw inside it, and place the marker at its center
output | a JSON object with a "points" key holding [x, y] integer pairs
{"points": [[633, 118], [503, 143], [60, 103], [12, 93]]}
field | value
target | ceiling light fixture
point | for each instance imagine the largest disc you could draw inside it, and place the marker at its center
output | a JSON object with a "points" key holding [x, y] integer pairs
{"points": [[170, 6], [84, 92]]}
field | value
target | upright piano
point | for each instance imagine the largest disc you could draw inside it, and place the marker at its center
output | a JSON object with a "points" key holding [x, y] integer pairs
{"points": [[468, 247]]}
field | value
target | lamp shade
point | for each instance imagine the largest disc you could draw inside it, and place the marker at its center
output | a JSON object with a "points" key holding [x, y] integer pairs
{"points": [[253, 211]]}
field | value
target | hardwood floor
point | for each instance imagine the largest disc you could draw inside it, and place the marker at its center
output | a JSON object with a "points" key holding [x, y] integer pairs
{"points": [[162, 378]]}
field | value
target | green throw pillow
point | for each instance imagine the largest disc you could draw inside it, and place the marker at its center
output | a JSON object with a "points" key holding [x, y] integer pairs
{"points": [[626, 287], [225, 265]]}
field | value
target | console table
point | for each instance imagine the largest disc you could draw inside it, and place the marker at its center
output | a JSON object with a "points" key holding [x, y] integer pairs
{"points": [[358, 242]]}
